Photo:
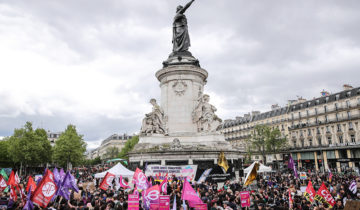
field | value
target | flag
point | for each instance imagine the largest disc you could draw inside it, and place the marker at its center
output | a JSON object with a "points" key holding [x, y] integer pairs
{"points": [[151, 196], [13, 179], [323, 195], [353, 187], [31, 184], [330, 174], [13, 195], [204, 175], [45, 190], [290, 200], [140, 180], [107, 181], [189, 194], [163, 186], [73, 183], [3, 174], [174, 203], [310, 192], [251, 176], [29, 204], [222, 162], [3, 183], [292, 166], [57, 176], [123, 183]]}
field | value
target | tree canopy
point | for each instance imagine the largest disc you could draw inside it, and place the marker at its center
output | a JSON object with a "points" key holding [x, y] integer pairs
{"points": [[69, 148], [129, 145], [112, 152], [28, 146]]}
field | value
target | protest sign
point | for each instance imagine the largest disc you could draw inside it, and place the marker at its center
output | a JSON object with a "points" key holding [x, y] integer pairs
{"points": [[133, 202], [245, 198], [201, 206], [164, 202]]}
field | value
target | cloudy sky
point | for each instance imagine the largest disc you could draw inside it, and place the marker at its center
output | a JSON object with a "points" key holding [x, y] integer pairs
{"points": [[91, 63]]}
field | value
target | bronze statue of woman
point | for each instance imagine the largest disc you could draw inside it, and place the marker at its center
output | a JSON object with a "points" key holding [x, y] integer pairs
{"points": [[181, 38]]}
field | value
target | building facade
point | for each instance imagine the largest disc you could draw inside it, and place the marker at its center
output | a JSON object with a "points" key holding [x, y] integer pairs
{"points": [[114, 140], [53, 137], [322, 132]]}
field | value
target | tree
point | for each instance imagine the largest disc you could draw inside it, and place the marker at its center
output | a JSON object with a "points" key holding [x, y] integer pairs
{"points": [[69, 148], [112, 152], [5, 160], [129, 145], [266, 140], [29, 147]]}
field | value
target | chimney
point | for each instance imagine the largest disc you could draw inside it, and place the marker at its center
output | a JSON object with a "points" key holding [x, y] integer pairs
{"points": [[238, 118], [254, 113], [275, 107], [347, 87]]}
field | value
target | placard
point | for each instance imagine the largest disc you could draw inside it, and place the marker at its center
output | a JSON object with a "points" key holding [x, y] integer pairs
{"points": [[164, 202], [133, 202], [303, 176], [201, 206], [181, 172], [245, 198]]}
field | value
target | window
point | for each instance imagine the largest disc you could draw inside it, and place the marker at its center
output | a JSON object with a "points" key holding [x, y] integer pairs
{"points": [[309, 132], [316, 111], [348, 104], [348, 93], [338, 127], [316, 120], [336, 106], [292, 116], [319, 141], [256, 157], [341, 139], [294, 143], [327, 129], [307, 113], [318, 130], [326, 118], [352, 137], [337, 97], [358, 101], [302, 143], [299, 114], [349, 115], [310, 142], [327, 99], [351, 126], [317, 101], [337, 116], [301, 133], [329, 140]]}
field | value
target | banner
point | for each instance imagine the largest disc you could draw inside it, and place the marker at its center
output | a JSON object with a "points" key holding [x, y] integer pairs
{"points": [[303, 176], [45, 190], [164, 202], [181, 172], [217, 174], [310, 192], [133, 202], [245, 198], [324, 196], [201, 206]]}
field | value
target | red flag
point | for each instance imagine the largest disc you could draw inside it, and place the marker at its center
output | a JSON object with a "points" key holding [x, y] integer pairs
{"points": [[163, 186], [13, 179], [310, 192], [107, 181], [31, 183], [290, 200], [3, 183], [45, 190], [13, 195], [325, 194], [123, 183]]}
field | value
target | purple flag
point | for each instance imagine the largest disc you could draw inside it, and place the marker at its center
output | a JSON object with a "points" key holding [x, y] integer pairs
{"points": [[62, 174], [29, 204], [56, 173], [73, 183], [292, 166]]}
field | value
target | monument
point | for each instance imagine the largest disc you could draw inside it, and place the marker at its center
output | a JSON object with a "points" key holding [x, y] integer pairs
{"points": [[183, 127]]}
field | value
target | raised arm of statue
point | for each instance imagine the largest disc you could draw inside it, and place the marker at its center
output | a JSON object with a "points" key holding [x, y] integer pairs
{"points": [[186, 7]]}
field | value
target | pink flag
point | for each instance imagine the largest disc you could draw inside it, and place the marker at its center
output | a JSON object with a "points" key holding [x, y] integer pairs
{"points": [[140, 179], [151, 195], [163, 186], [190, 195], [123, 183]]}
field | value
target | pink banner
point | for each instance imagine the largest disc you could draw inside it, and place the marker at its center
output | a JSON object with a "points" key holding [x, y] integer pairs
{"points": [[164, 202], [133, 202], [154, 206], [202, 206], [245, 198]]}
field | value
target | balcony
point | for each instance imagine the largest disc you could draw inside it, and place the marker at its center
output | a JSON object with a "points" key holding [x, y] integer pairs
{"points": [[339, 119]]}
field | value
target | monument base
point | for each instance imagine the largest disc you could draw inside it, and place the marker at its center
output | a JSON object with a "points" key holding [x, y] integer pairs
{"points": [[183, 149]]}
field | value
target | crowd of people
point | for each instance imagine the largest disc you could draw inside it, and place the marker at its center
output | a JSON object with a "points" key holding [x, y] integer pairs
{"points": [[269, 191]]}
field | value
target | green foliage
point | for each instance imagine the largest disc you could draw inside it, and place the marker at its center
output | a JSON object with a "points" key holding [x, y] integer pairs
{"points": [[69, 148], [266, 140], [91, 162], [129, 145], [5, 160], [29, 146], [112, 152]]}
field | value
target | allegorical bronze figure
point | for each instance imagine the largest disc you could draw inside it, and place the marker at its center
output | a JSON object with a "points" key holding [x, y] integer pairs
{"points": [[181, 38]]}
